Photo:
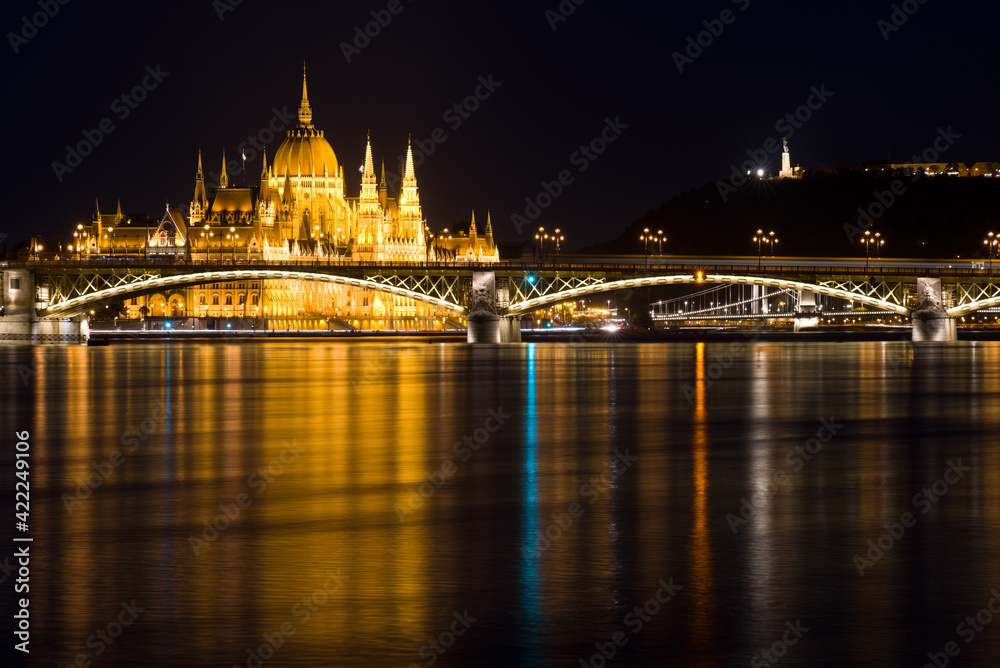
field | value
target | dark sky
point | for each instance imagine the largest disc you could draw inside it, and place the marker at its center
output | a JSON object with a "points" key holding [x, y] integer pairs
{"points": [[606, 60]]}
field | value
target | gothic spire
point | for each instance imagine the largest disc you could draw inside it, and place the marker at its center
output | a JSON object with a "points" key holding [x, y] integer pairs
{"points": [[224, 178], [200, 195], [408, 172], [305, 112], [369, 173]]}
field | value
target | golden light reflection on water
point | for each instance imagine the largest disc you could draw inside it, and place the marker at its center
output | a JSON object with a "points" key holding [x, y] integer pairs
{"points": [[702, 622], [326, 441]]}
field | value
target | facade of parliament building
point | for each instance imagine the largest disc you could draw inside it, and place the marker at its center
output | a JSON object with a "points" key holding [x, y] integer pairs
{"points": [[299, 212]]}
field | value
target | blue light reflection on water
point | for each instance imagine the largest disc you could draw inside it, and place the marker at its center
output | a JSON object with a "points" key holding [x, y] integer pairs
{"points": [[530, 596]]}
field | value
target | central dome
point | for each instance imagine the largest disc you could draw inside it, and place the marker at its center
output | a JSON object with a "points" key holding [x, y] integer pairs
{"points": [[305, 150]]}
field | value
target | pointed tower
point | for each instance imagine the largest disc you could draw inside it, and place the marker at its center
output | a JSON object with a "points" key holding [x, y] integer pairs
{"points": [[473, 239], [411, 221], [118, 214], [95, 231], [265, 206], [224, 178], [200, 202], [369, 211], [489, 233], [383, 189], [305, 112]]}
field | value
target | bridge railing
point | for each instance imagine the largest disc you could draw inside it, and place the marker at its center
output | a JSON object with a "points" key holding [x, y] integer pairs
{"points": [[653, 269]]}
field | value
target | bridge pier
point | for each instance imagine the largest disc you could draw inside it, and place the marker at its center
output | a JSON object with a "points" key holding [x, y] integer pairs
{"points": [[20, 323], [485, 324], [805, 316], [930, 321]]}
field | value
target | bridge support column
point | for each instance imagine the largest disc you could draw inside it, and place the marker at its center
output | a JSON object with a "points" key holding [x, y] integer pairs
{"points": [[510, 330], [20, 323], [483, 329], [485, 324], [805, 316], [930, 321]]}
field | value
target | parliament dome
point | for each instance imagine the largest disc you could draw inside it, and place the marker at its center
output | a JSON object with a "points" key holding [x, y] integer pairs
{"points": [[305, 149]]}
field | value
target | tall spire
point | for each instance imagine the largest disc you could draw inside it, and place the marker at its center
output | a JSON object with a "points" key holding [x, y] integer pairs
{"points": [[224, 178], [410, 216], [489, 225], [408, 172], [200, 195], [472, 232], [97, 210], [369, 189], [383, 189], [263, 166], [369, 162], [305, 113]]}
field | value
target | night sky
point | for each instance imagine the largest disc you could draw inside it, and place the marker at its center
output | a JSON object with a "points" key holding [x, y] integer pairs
{"points": [[557, 82]]}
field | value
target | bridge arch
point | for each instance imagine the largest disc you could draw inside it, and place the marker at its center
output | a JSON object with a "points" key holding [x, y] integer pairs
{"points": [[78, 305], [965, 309], [520, 308]]}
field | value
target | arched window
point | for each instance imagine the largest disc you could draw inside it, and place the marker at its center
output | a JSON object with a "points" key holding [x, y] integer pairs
{"points": [[253, 300], [229, 300], [201, 300], [242, 299], [215, 300]]}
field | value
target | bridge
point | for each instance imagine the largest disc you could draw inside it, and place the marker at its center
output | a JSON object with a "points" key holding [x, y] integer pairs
{"points": [[47, 301]]}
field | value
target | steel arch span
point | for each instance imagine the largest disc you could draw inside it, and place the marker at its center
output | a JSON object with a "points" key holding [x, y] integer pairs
{"points": [[965, 309], [78, 305], [520, 308]]}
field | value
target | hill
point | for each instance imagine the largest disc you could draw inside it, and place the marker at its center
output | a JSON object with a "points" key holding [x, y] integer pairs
{"points": [[825, 215]]}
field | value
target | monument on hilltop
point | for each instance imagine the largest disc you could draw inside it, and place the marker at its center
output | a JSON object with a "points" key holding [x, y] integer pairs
{"points": [[786, 161]]}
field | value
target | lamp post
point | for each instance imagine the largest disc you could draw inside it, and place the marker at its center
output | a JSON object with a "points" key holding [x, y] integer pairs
{"points": [[541, 237], [759, 240], [558, 238], [868, 240], [991, 242], [659, 240], [645, 239]]}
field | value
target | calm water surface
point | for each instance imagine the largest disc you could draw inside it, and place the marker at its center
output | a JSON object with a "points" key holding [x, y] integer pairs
{"points": [[513, 504]]}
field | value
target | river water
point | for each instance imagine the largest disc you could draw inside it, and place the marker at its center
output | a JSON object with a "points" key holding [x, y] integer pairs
{"points": [[304, 503]]}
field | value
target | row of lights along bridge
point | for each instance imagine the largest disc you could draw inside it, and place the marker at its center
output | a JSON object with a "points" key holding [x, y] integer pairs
{"points": [[992, 242]]}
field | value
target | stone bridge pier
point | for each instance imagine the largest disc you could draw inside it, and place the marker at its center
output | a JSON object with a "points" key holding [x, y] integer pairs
{"points": [[486, 325], [20, 323], [930, 320]]}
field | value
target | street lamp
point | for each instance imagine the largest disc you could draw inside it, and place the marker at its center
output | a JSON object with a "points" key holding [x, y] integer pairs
{"points": [[645, 238], [868, 240], [558, 238], [659, 240], [991, 242], [542, 237]]}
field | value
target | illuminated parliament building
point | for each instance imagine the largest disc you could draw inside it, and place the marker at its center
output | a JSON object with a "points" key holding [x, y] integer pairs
{"points": [[298, 212]]}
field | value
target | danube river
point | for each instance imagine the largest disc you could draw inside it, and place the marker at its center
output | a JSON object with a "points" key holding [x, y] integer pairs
{"points": [[377, 503]]}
